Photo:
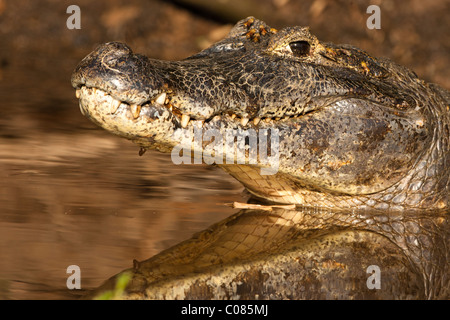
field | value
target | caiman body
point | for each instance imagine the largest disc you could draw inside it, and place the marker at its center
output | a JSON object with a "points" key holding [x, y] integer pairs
{"points": [[359, 145]]}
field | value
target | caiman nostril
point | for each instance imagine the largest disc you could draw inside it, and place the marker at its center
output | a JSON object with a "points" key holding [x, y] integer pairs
{"points": [[115, 48]]}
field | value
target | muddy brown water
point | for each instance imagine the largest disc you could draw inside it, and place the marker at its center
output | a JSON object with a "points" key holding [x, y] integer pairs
{"points": [[72, 194]]}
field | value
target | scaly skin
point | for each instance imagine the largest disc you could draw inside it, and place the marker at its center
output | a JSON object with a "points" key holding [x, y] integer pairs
{"points": [[358, 137]]}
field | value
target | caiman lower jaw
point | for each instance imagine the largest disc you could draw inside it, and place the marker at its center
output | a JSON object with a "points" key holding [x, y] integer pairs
{"points": [[90, 97]]}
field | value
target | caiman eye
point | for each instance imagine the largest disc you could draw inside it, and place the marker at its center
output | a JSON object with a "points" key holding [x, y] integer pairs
{"points": [[300, 48]]}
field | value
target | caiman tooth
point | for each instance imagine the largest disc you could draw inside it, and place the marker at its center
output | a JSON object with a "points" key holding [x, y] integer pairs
{"points": [[135, 110], [78, 93], [185, 120], [256, 121], [267, 120], [233, 116], [161, 99], [244, 121], [81, 108], [114, 105]]}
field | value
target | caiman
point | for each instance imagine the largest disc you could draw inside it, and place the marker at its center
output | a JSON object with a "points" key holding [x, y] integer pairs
{"points": [[346, 157]]}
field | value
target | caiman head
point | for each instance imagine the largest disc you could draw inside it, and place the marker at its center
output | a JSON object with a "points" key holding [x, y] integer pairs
{"points": [[334, 126]]}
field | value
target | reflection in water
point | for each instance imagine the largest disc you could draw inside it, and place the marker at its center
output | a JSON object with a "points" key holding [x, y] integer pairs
{"points": [[308, 253], [71, 194]]}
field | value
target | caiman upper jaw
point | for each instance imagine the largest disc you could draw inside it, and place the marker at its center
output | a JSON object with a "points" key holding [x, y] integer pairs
{"points": [[135, 81]]}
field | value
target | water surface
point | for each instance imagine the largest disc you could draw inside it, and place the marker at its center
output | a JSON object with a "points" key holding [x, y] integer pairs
{"points": [[72, 194]]}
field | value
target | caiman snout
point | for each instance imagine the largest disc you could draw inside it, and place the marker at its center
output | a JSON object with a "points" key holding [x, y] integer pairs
{"points": [[115, 69]]}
